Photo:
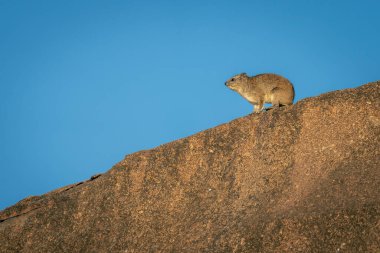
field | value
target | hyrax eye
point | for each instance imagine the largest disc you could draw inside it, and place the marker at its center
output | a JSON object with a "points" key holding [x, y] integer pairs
{"points": [[233, 79]]}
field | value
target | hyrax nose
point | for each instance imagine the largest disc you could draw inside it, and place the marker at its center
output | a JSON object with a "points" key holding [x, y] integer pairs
{"points": [[225, 84]]}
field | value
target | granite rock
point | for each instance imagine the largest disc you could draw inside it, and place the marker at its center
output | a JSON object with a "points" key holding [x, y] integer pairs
{"points": [[302, 178]]}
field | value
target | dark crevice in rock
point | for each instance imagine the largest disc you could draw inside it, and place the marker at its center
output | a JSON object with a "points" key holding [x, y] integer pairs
{"points": [[20, 214]]}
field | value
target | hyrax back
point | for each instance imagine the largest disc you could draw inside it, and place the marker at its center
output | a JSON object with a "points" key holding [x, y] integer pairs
{"points": [[264, 88]]}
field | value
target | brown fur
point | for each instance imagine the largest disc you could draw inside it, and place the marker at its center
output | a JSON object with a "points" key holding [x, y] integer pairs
{"points": [[264, 88]]}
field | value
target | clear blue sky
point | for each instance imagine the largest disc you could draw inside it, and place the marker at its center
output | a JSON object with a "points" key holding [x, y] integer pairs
{"points": [[84, 83]]}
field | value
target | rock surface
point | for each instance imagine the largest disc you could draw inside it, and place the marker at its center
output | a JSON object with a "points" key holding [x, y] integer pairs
{"points": [[304, 178]]}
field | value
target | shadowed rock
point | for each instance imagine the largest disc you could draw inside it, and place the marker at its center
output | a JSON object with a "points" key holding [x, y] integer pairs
{"points": [[304, 178]]}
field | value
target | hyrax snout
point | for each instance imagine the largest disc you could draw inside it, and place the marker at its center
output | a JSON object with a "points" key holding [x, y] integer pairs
{"points": [[264, 88]]}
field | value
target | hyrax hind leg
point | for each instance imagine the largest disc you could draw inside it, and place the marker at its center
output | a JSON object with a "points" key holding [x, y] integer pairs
{"points": [[280, 98], [275, 103]]}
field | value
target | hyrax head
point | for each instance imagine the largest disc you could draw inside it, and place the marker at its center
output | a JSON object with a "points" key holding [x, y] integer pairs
{"points": [[237, 81]]}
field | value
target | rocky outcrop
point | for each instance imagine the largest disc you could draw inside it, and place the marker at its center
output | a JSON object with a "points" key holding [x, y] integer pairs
{"points": [[304, 178]]}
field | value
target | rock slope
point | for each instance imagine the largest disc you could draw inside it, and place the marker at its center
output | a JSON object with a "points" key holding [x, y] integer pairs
{"points": [[305, 178]]}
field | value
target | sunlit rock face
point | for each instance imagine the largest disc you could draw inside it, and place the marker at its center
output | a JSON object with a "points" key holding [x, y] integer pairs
{"points": [[301, 178]]}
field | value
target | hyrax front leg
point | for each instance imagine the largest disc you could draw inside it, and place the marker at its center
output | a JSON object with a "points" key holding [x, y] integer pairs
{"points": [[258, 107]]}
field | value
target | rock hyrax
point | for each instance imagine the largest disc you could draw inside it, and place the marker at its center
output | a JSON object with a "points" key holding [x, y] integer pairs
{"points": [[264, 88]]}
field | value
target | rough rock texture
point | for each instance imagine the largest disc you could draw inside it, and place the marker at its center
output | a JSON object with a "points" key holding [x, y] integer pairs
{"points": [[305, 178]]}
